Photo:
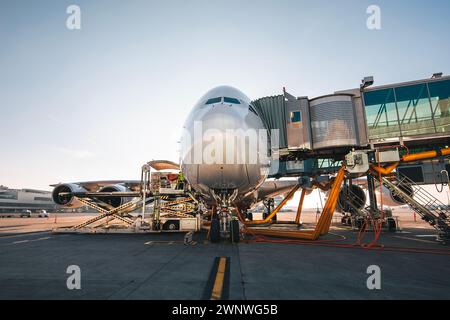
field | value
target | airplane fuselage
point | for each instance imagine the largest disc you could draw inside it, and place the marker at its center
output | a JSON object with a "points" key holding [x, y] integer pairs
{"points": [[220, 157]]}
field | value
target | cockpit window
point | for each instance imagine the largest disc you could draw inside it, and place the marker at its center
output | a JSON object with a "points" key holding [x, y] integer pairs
{"points": [[231, 100], [214, 100]]}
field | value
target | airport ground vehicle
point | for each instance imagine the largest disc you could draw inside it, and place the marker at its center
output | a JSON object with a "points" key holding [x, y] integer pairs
{"points": [[43, 214], [25, 214]]}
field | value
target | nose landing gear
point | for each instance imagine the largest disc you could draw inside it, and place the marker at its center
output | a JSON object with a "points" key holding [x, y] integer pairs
{"points": [[224, 226]]}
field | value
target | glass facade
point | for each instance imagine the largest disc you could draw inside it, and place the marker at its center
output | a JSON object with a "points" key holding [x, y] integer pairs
{"points": [[440, 103], [8, 194], [414, 110], [381, 113], [408, 110]]}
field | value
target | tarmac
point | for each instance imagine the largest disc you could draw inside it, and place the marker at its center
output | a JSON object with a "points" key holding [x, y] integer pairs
{"points": [[159, 266]]}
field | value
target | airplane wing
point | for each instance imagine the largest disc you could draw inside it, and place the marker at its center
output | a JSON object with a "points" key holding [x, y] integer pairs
{"points": [[113, 192], [94, 186], [133, 185], [273, 188]]}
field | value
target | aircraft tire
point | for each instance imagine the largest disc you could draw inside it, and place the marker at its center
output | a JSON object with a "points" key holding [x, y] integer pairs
{"points": [[392, 225], [214, 234], [235, 232]]}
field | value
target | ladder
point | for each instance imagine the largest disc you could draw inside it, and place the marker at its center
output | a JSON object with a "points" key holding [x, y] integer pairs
{"points": [[423, 203]]}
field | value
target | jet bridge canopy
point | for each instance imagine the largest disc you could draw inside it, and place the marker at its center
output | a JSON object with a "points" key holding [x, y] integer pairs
{"points": [[328, 122], [273, 113]]}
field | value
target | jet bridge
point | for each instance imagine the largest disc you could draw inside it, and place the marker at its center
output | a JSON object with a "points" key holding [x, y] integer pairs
{"points": [[414, 114], [340, 132]]}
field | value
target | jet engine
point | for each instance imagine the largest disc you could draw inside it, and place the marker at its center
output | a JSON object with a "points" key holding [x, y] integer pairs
{"points": [[390, 199], [351, 198], [63, 195], [114, 201]]}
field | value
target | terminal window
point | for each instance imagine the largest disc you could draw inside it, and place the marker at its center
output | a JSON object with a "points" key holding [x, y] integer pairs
{"points": [[9, 194], [42, 199]]}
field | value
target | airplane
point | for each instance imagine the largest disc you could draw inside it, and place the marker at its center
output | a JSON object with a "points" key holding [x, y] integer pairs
{"points": [[225, 157], [239, 183]]}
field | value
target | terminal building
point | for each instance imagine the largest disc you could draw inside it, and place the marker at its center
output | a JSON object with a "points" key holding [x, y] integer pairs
{"points": [[17, 200], [413, 115]]}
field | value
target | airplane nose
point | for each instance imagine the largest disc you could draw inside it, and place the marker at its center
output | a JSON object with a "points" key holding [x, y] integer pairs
{"points": [[222, 118], [231, 159], [221, 148]]}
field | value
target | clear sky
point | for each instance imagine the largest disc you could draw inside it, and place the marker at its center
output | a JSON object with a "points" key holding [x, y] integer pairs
{"points": [[99, 102]]}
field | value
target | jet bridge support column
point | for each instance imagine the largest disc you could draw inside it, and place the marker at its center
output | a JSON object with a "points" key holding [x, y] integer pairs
{"points": [[372, 196]]}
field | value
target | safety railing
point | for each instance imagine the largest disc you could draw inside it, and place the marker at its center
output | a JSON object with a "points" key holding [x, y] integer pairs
{"points": [[422, 202]]}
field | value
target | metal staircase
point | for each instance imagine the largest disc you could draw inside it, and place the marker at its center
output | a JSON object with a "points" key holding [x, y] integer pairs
{"points": [[423, 203]]}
